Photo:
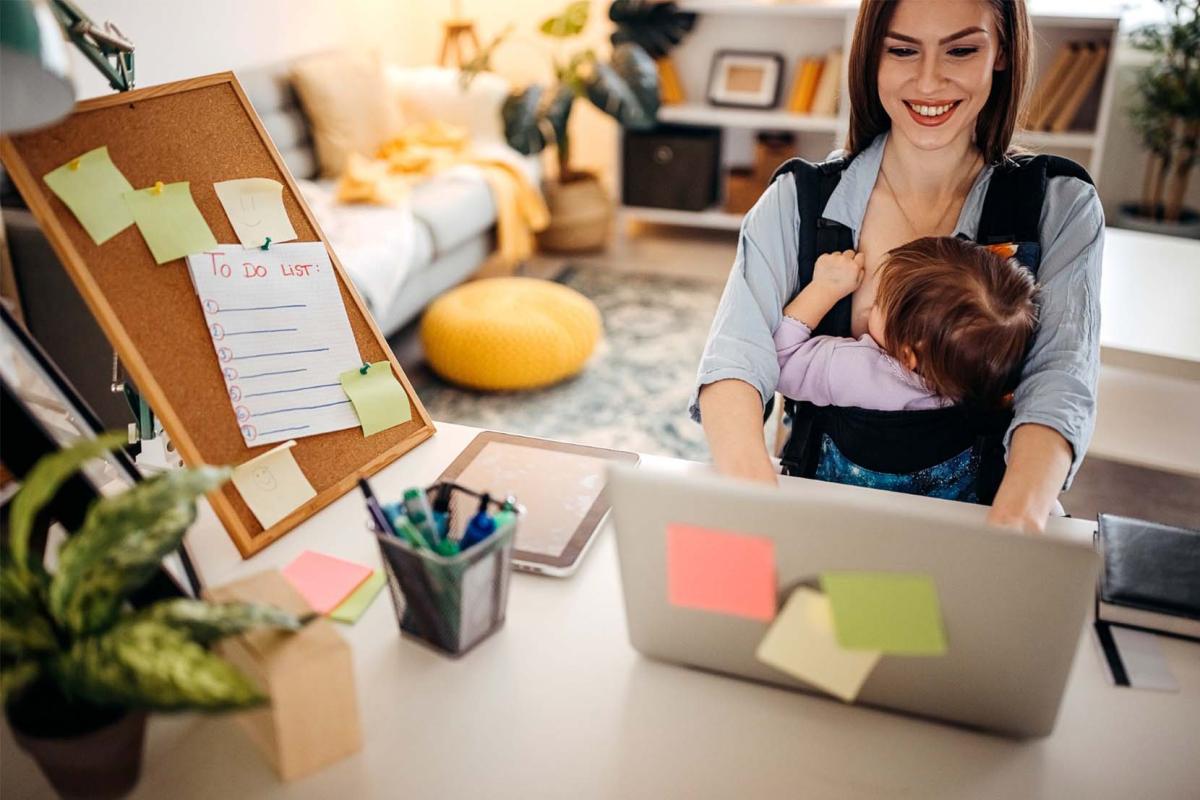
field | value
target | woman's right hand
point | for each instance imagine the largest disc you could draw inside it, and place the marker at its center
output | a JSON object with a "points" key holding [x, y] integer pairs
{"points": [[732, 414]]}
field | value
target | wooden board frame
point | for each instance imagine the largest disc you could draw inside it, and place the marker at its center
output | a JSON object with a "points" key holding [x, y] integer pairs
{"points": [[148, 132]]}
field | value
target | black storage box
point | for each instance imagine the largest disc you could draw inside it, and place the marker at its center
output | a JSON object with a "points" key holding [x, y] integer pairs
{"points": [[671, 167]]}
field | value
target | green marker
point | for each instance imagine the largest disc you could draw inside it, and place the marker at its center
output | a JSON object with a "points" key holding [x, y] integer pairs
{"points": [[411, 534], [420, 514]]}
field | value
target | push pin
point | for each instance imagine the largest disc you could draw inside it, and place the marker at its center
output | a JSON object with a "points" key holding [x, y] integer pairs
{"points": [[158, 187], [363, 369], [74, 165], [267, 244]]}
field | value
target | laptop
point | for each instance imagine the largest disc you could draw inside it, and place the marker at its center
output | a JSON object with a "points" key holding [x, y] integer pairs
{"points": [[1013, 606]]}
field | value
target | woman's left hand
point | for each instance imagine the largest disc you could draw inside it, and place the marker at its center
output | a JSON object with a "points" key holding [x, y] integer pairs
{"points": [[1038, 461]]}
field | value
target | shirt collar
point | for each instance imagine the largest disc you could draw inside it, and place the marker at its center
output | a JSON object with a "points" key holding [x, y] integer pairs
{"points": [[848, 202]]}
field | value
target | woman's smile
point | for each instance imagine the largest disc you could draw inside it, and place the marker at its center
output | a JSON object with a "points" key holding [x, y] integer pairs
{"points": [[931, 113]]}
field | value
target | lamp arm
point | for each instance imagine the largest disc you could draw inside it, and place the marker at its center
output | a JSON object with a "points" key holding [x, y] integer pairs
{"points": [[107, 48]]}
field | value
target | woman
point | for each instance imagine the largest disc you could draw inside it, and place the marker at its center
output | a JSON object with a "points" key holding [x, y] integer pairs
{"points": [[935, 91]]}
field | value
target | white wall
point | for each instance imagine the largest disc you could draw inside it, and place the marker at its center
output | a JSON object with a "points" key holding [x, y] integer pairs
{"points": [[178, 39]]}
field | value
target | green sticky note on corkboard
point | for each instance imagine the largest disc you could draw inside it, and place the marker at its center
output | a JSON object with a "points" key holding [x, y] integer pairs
{"points": [[92, 187], [378, 398], [892, 612], [170, 222]]}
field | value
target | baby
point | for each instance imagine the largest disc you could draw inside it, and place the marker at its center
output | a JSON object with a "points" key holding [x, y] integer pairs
{"points": [[951, 324]]}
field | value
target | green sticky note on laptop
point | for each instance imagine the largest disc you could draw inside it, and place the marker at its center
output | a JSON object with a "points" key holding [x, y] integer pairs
{"points": [[378, 398], [892, 612], [353, 606], [92, 186]]}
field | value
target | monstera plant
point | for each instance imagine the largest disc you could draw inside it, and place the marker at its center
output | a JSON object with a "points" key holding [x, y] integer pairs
{"points": [[77, 664], [625, 87]]}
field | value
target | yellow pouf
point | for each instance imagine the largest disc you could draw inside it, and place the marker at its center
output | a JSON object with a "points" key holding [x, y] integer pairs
{"points": [[505, 334]]}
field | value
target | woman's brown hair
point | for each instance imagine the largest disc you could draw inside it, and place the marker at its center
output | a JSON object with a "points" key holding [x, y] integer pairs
{"points": [[999, 117], [966, 313]]}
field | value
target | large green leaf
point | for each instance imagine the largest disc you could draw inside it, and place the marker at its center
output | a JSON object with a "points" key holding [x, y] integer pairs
{"points": [[208, 622], [121, 543], [147, 664], [16, 677], [520, 115], [25, 630], [570, 22], [42, 483], [626, 89]]}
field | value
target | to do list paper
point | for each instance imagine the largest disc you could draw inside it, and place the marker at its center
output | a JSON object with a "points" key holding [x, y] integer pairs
{"points": [[281, 336]]}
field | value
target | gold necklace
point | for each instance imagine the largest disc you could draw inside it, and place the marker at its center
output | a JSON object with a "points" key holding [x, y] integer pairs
{"points": [[941, 218]]}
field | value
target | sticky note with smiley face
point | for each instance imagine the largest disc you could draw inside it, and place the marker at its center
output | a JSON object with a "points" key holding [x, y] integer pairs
{"points": [[272, 484]]}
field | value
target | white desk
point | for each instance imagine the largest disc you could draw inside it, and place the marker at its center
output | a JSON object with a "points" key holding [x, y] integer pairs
{"points": [[557, 704]]}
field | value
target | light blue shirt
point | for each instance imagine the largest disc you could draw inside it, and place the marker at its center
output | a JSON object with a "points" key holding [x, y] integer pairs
{"points": [[1058, 381]]}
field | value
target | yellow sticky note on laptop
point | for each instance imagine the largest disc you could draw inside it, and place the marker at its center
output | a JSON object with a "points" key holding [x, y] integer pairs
{"points": [[92, 187], [272, 484], [895, 612], [801, 643], [378, 398], [255, 209], [169, 221]]}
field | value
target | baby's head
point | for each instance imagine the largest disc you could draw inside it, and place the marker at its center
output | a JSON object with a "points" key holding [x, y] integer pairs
{"points": [[958, 315]]}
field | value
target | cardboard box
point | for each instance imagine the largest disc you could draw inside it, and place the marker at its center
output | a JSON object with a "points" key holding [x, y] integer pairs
{"points": [[313, 719]]}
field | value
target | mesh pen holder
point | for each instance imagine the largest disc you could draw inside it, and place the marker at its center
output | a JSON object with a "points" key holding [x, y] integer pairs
{"points": [[451, 603]]}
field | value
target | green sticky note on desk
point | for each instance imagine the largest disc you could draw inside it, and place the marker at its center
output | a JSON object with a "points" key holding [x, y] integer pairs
{"points": [[169, 221], [353, 606], [92, 187], [892, 612], [378, 398]]}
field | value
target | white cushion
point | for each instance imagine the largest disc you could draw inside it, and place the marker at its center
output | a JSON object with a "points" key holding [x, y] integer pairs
{"points": [[434, 93]]}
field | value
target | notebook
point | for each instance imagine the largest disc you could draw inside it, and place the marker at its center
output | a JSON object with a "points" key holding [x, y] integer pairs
{"points": [[1150, 576]]}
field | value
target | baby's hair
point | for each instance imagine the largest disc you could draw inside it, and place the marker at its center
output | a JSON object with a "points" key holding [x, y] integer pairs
{"points": [[967, 314]]}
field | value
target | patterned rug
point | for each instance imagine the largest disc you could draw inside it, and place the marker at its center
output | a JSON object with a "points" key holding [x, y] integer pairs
{"points": [[633, 393]]}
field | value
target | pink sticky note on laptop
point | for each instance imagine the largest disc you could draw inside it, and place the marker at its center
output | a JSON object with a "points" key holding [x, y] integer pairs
{"points": [[324, 581], [721, 571]]}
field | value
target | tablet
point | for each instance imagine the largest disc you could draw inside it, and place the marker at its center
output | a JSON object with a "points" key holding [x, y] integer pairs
{"points": [[560, 485]]}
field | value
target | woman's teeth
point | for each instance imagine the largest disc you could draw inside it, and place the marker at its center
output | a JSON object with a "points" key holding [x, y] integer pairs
{"points": [[931, 111]]}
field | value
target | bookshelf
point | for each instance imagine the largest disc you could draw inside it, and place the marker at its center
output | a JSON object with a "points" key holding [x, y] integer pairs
{"points": [[800, 30]]}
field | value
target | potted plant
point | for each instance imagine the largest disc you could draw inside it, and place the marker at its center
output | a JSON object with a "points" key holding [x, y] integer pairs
{"points": [[1167, 117], [626, 88], [79, 669]]}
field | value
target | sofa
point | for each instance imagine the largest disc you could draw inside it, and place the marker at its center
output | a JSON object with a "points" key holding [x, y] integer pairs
{"points": [[400, 258]]}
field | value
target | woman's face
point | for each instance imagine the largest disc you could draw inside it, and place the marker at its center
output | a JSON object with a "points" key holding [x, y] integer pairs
{"points": [[935, 72]]}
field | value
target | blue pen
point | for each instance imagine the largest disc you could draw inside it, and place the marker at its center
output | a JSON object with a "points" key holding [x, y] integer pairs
{"points": [[377, 515], [480, 527]]}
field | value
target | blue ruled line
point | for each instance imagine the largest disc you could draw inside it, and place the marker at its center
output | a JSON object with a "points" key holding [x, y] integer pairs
{"points": [[281, 353], [260, 308], [297, 389], [269, 330], [284, 430], [300, 408], [280, 372]]}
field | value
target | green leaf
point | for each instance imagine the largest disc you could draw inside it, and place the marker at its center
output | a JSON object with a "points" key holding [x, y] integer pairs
{"points": [[146, 664], [520, 115], [570, 22], [626, 89], [25, 630], [122, 540], [15, 678], [43, 482], [207, 622]]}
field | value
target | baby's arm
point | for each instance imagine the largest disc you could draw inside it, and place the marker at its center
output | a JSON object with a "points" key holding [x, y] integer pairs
{"points": [[835, 275]]}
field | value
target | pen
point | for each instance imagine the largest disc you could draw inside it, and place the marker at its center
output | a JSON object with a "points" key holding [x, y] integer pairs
{"points": [[377, 515], [412, 534], [420, 514], [480, 526]]}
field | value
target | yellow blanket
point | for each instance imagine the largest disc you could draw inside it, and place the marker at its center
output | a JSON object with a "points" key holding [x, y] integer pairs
{"points": [[425, 150]]}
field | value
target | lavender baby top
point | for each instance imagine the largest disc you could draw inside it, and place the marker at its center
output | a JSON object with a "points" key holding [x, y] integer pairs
{"points": [[837, 371]]}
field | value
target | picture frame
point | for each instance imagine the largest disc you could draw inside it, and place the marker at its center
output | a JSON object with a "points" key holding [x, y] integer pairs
{"points": [[745, 79]]}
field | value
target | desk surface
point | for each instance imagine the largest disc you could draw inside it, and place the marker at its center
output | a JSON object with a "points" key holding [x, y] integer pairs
{"points": [[558, 704]]}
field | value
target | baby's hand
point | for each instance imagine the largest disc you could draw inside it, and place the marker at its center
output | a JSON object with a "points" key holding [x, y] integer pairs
{"points": [[839, 274]]}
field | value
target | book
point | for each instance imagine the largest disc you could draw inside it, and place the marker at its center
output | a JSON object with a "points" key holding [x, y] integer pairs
{"points": [[1097, 57], [1062, 87], [1050, 82], [805, 86], [1150, 576], [825, 97], [668, 81]]}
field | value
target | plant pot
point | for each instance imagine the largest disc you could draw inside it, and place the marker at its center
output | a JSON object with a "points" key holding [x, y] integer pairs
{"points": [[1129, 215], [580, 215], [104, 763]]}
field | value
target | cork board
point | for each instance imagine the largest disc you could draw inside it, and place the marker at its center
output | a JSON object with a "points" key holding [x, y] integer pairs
{"points": [[201, 130]]}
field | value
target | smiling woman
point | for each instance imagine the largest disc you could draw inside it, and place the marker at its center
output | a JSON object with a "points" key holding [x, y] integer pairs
{"points": [[936, 90]]}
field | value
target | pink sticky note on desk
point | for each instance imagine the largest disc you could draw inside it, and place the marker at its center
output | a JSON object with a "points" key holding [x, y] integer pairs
{"points": [[721, 571], [324, 581]]}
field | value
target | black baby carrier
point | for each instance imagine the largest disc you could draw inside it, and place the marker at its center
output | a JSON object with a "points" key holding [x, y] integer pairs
{"points": [[955, 453]]}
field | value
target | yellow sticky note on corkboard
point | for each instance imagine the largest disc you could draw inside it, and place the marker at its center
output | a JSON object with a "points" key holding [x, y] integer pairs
{"points": [[378, 398], [169, 221], [272, 484], [801, 643], [92, 187], [255, 209]]}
